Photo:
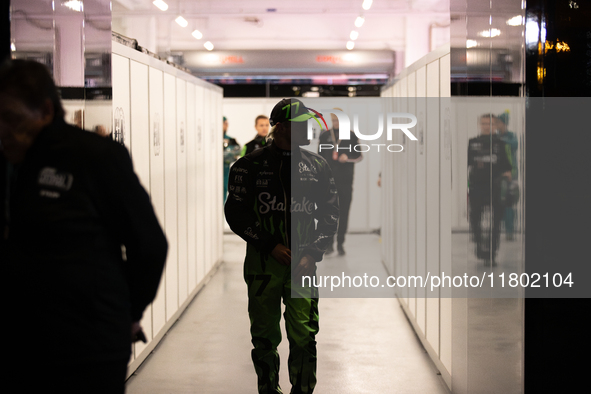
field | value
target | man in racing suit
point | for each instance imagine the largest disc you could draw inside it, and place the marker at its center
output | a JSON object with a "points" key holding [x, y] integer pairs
{"points": [[262, 187]]}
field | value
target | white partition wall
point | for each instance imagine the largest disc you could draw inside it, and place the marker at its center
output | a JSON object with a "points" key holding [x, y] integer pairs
{"points": [[181, 129], [432, 209], [140, 152], [419, 226], [155, 86], [171, 123], [199, 186]]}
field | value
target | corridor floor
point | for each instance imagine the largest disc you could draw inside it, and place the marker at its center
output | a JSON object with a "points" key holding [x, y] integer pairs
{"points": [[365, 345]]}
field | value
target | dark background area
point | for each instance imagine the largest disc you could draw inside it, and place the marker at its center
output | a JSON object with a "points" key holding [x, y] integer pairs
{"points": [[558, 195], [5, 29]]}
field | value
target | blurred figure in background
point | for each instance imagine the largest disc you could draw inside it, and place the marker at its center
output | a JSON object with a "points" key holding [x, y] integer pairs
{"points": [[510, 140], [71, 203], [261, 124], [488, 164], [231, 154], [341, 159]]}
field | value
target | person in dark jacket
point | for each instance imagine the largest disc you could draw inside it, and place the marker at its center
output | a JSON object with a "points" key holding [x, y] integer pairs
{"points": [[81, 247], [488, 165], [276, 194], [231, 154], [341, 158], [261, 124]]}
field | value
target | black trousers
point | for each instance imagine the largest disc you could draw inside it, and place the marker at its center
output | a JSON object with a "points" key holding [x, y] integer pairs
{"points": [[345, 191], [479, 202]]}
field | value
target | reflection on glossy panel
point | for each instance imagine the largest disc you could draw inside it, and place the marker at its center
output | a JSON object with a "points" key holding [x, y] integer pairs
{"points": [[487, 147]]}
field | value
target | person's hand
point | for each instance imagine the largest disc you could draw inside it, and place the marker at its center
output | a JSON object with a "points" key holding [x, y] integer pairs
{"points": [[507, 175], [137, 333], [282, 254], [343, 158], [304, 268]]}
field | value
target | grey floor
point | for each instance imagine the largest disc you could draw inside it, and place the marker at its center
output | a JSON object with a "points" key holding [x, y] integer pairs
{"points": [[365, 345]]}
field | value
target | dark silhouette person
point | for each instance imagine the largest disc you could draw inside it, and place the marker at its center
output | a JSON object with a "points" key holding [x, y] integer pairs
{"points": [[488, 165], [341, 159], [81, 249]]}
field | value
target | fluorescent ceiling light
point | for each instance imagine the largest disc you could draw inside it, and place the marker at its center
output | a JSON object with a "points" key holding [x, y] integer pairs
{"points": [[160, 4], [359, 21], [367, 4], [74, 5], [350, 45], [354, 35], [208, 45], [197, 34], [471, 43], [516, 21], [182, 21], [490, 33], [12, 47]]}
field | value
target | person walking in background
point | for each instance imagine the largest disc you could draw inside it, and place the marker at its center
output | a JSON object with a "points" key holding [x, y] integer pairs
{"points": [[341, 158], [276, 195], [511, 142], [488, 164], [261, 124], [231, 154], [81, 248]]}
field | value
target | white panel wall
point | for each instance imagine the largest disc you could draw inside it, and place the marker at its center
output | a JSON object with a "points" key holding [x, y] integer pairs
{"points": [[170, 194], [177, 155], [445, 214], [140, 153], [432, 200], [420, 224], [191, 146], [208, 139], [121, 97], [200, 184], [181, 136], [157, 181]]}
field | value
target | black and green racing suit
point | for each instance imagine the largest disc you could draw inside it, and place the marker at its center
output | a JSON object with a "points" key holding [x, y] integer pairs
{"points": [[260, 186]]}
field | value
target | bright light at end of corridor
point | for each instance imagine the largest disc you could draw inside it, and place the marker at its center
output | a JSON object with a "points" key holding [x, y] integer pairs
{"points": [[490, 33], [516, 21], [471, 43], [182, 21], [73, 5], [161, 5]]}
